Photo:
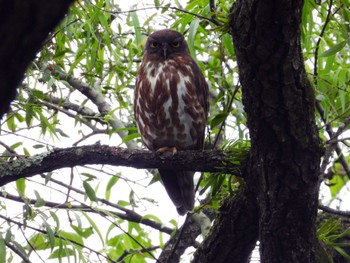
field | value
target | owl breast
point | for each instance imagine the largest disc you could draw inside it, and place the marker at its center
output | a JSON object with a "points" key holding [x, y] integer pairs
{"points": [[171, 114]]}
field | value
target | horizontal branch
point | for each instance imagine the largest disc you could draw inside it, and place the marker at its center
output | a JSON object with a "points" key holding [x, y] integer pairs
{"points": [[201, 161], [128, 214]]}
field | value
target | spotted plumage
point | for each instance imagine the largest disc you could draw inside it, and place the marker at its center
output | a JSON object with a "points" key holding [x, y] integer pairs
{"points": [[171, 107]]}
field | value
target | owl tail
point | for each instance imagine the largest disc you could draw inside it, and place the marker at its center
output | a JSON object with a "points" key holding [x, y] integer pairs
{"points": [[180, 188]]}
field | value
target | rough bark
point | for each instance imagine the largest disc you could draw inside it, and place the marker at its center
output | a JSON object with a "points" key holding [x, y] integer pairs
{"points": [[235, 231], [202, 161], [24, 25], [283, 165]]}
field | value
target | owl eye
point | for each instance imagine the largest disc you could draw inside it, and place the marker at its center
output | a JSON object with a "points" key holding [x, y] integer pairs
{"points": [[176, 44], [154, 44]]}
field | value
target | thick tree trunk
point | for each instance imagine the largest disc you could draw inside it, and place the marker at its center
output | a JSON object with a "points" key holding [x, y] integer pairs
{"points": [[24, 25], [235, 232], [283, 166]]}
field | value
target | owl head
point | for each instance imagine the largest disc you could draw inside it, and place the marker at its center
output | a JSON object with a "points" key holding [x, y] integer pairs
{"points": [[166, 43]]}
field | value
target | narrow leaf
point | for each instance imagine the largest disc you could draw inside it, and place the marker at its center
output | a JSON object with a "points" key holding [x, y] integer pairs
{"points": [[333, 50], [50, 235], [131, 137], [192, 34], [218, 119], [110, 184], [90, 192], [60, 253], [136, 23], [2, 250], [55, 218], [95, 227], [21, 186]]}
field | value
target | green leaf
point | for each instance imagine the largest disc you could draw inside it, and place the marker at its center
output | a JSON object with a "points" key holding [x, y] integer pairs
{"points": [[90, 192], [61, 253], [110, 184], [333, 50], [114, 241], [84, 232], [152, 217], [155, 179], [228, 44], [2, 250], [56, 219], [63, 134], [136, 24], [39, 202], [131, 137], [72, 237], [50, 235], [94, 226], [342, 252], [192, 34], [11, 123], [38, 241], [38, 146], [123, 203], [8, 236], [45, 124], [21, 186], [26, 152], [218, 119], [16, 145], [89, 176], [336, 184]]}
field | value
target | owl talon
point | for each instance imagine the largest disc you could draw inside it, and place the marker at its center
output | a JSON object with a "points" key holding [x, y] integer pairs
{"points": [[167, 152]]}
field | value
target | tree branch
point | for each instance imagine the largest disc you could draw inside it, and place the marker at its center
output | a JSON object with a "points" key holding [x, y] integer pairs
{"points": [[128, 214], [98, 99], [202, 161], [23, 256], [334, 211]]}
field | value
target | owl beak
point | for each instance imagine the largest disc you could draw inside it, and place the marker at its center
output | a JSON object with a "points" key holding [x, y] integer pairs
{"points": [[165, 49], [164, 52]]}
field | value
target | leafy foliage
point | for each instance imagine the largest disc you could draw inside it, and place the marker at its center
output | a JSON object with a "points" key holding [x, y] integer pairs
{"points": [[79, 91]]}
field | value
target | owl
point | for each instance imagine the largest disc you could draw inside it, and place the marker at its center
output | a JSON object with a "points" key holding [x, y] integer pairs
{"points": [[171, 108]]}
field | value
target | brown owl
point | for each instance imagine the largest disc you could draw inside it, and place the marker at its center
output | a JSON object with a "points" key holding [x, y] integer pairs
{"points": [[171, 107]]}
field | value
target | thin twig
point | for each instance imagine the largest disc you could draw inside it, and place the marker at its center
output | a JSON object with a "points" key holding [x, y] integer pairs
{"points": [[215, 22], [331, 147], [20, 225], [18, 252], [135, 251], [329, 12], [334, 211], [129, 214], [9, 149]]}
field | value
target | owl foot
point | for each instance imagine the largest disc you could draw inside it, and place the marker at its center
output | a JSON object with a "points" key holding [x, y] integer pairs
{"points": [[167, 152]]}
